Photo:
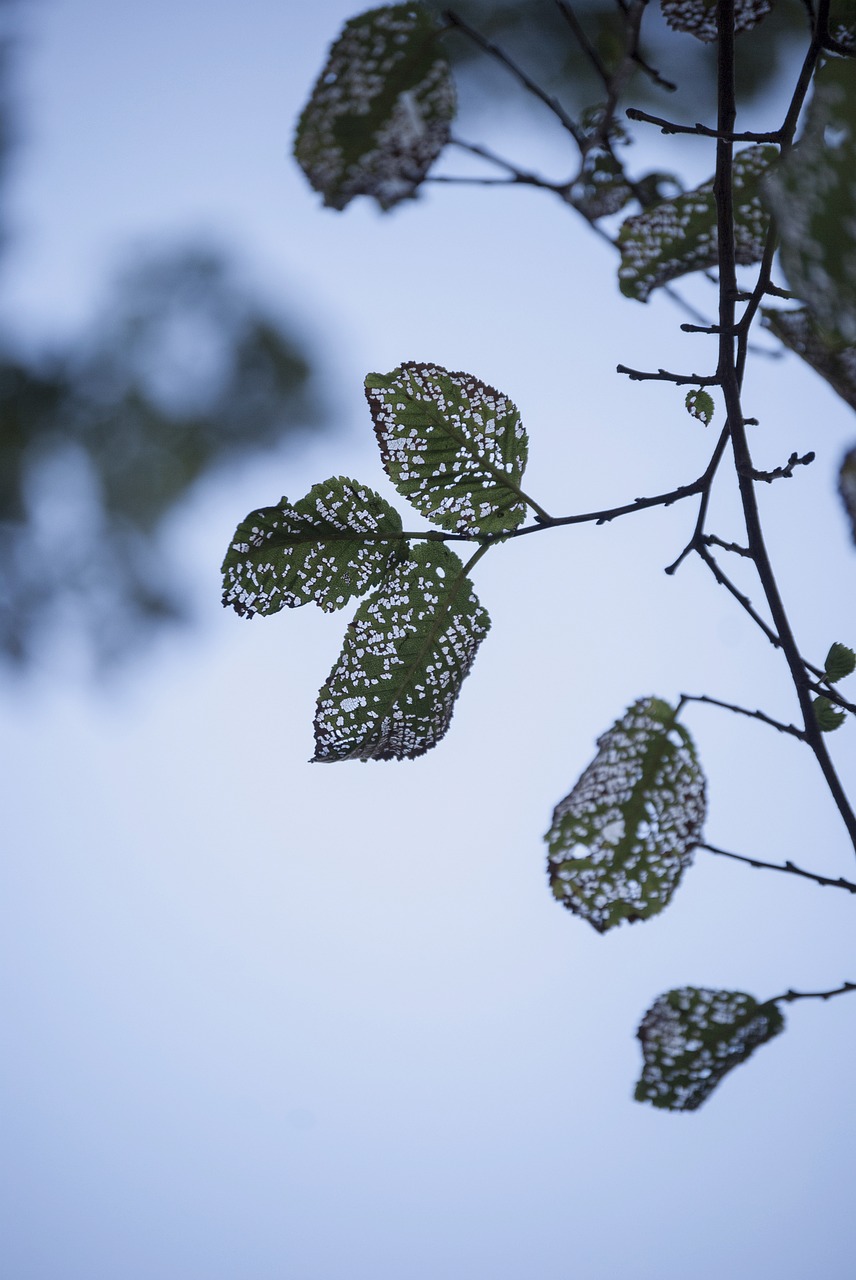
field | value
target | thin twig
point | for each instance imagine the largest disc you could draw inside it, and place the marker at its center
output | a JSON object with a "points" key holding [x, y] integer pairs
{"points": [[788, 867], [663, 375], [700, 130], [790, 996], [744, 711]]}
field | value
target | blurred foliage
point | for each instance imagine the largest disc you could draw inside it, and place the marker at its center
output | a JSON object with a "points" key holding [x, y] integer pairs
{"points": [[184, 370], [538, 37]]}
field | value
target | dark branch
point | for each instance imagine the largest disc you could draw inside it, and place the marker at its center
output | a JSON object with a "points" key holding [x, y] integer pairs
{"points": [[790, 996], [663, 375], [743, 711], [788, 867], [700, 130]]}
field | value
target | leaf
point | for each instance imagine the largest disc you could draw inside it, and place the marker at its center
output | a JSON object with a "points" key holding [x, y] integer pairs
{"points": [[621, 839], [694, 1036], [828, 717], [847, 488], [834, 361], [677, 236], [391, 693], [840, 662], [327, 548], [700, 405], [452, 446], [380, 111], [698, 17], [813, 195], [601, 188]]}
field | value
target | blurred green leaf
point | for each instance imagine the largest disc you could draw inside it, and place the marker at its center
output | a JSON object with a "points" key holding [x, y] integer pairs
{"points": [[380, 110], [692, 1037], [621, 839], [847, 488], [391, 693], [813, 195], [698, 17], [834, 361], [678, 236]]}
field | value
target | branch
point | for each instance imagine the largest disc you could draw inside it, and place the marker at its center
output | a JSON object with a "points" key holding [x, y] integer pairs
{"points": [[663, 375], [487, 46], [788, 867], [743, 711], [700, 130], [790, 996], [785, 472]]}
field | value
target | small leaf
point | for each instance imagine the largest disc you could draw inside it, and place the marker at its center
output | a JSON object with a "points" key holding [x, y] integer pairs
{"points": [[828, 717], [694, 1036], [813, 195], [700, 405], [452, 445], [840, 662], [380, 111], [327, 548], [601, 188], [621, 839], [698, 17], [847, 488], [391, 693], [677, 236], [834, 361]]}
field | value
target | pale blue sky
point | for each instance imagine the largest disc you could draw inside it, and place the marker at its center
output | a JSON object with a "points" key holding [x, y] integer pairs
{"points": [[265, 1019]]}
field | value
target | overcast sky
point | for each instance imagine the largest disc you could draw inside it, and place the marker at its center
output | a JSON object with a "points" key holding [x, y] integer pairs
{"points": [[266, 1019]]}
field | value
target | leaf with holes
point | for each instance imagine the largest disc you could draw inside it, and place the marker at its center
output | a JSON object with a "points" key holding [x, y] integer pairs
{"points": [[700, 406], [621, 839], [840, 662], [828, 717], [380, 111], [813, 195], [698, 17], [452, 446], [834, 361], [694, 1036], [336, 543], [847, 488], [391, 693], [678, 236], [601, 188]]}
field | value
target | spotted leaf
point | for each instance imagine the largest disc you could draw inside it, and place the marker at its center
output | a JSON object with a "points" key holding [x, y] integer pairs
{"points": [[621, 839], [834, 361], [694, 1036], [678, 236], [452, 445], [380, 111], [813, 195], [698, 17], [700, 406], [391, 693], [336, 543]]}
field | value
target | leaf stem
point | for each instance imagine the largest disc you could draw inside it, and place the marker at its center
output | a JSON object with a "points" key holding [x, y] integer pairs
{"points": [[789, 996]]}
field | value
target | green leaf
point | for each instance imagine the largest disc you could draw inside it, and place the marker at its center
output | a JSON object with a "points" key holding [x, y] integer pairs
{"points": [[700, 405], [840, 662], [834, 361], [677, 236], [847, 488], [694, 1036], [813, 195], [698, 17], [451, 445], [828, 717], [621, 839], [391, 693], [336, 543], [380, 111]]}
